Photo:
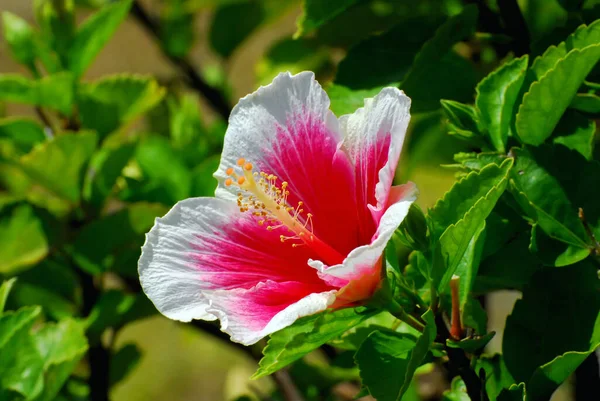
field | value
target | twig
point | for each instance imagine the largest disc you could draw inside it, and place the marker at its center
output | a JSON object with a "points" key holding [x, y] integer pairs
{"points": [[98, 356], [515, 25], [214, 96], [48, 128], [589, 231], [287, 386], [489, 21]]}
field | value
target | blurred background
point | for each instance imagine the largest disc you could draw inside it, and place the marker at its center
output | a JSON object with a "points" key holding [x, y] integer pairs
{"points": [[174, 69]]}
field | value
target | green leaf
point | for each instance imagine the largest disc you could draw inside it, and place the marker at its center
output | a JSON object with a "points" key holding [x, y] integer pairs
{"points": [[455, 241], [306, 335], [463, 119], [468, 266], [233, 23], [61, 346], [472, 345], [549, 97], [387, 360], [57, 24], [353, 338], [315, 13], [23, 132], [177, 29], [54, 274], [21, 365], [477, 161], [106, 167], [543, 184], [108, 312], [496, 100], [560, 302], [379, 60], [294, 55], [114, 101], [555, 253], [576, 132], [586, 103], [516, 392], [53, 91], [23, 239], [571, 5], [347, 101], [203, 182], [464, 195], [511, 267], [437, 61], [120, 231], [20, 37], [167, 179], [57, 168], [457, 392], [123, 362], [94, 33], [584, 36], [55, 306], [4, 291], [497, 377]]}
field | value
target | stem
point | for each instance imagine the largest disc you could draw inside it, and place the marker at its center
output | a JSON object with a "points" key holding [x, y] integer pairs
{"points": [[212, 95], [456, 329], [287, 386], [98, 356], [398, 311], [589, 231], [461, 365], [48, 127]]}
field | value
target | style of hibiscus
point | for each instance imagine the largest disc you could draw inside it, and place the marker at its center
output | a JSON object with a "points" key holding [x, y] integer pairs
{"points": [[302, 213]]}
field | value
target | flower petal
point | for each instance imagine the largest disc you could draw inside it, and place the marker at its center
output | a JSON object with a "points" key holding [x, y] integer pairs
{"points": [[374, 135], [249, 315], [286, 129], [204, 259], [364, 261]]}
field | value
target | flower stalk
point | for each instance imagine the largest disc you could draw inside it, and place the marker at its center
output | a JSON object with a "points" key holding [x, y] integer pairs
{"points": [[456, 329]]}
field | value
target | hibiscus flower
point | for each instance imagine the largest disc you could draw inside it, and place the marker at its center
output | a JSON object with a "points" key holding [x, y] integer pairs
{"points": [[303, 211]]}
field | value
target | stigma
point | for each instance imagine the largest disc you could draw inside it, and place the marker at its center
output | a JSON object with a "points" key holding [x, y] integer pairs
{"points": [[266, 198]]}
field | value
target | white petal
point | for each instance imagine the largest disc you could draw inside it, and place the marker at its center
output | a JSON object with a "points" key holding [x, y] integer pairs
{"points": [[234, 322], [254, 122], [167, 274], [379, 126]]}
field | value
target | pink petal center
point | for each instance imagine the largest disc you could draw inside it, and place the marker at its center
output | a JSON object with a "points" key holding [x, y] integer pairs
{"points": [[263, 196]]}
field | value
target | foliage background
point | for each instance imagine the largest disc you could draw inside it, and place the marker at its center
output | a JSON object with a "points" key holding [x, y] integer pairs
{"points": [[170, 142]]}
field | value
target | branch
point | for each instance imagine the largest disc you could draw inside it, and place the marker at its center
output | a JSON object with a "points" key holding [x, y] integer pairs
{"points": [[460, 364], [515, 25], [98, 356], [212, 95], [490, 22]]}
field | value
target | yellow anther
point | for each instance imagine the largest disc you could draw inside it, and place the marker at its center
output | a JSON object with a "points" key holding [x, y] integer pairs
{"points": [[241, 180], [241, 161], [229, 171], [248, 166], [228, 182]]}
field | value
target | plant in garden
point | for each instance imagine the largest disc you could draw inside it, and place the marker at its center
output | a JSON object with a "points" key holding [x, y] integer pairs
{"points": [[308, 239], [302, 216]]}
